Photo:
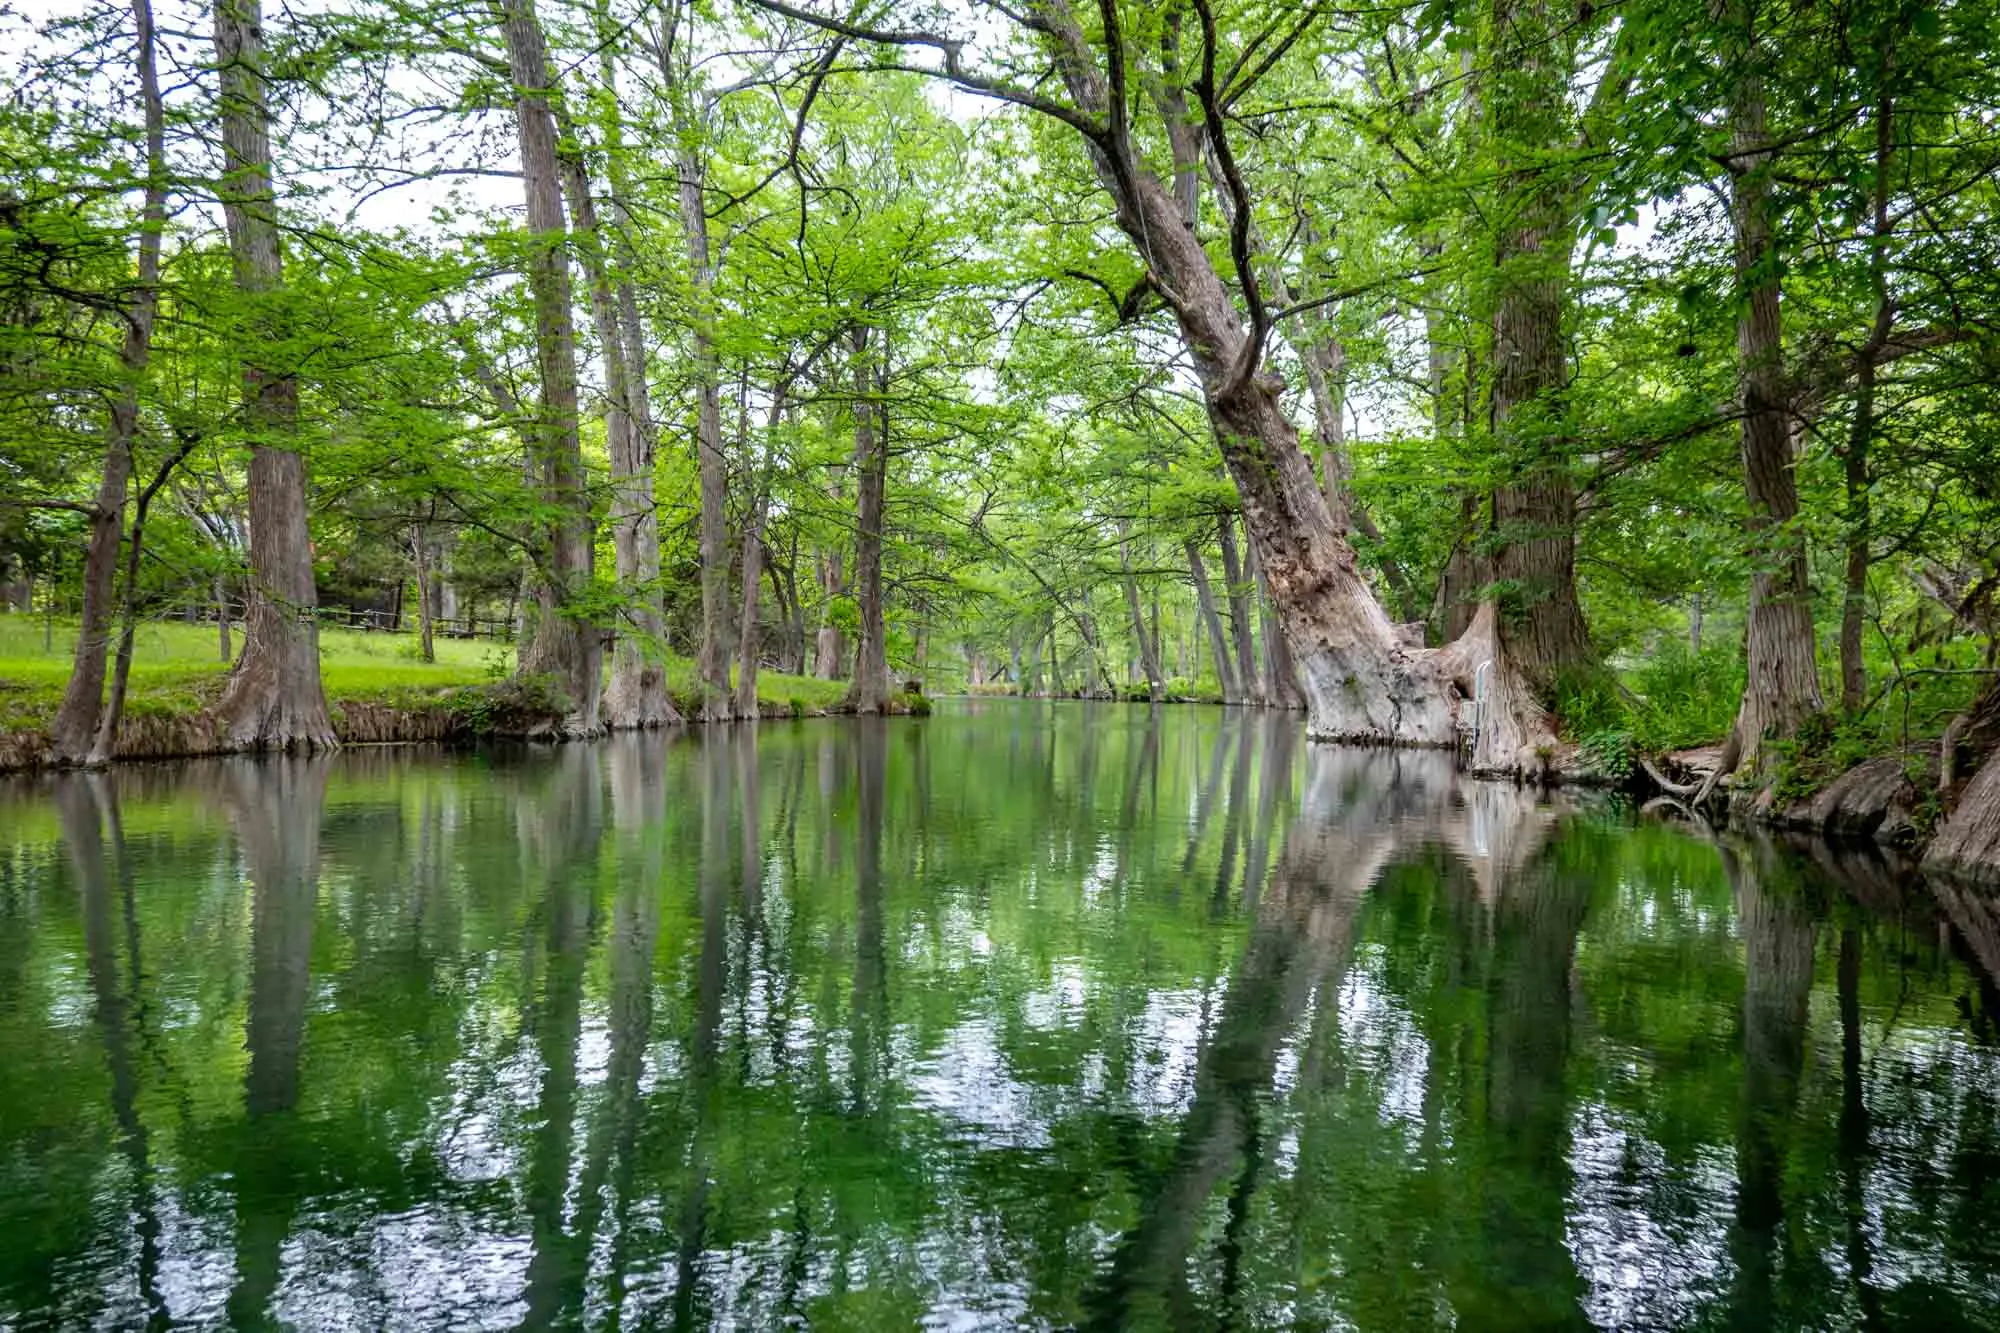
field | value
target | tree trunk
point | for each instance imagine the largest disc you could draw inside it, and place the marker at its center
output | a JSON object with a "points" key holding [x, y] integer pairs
{"points": [[75, 727], [1855, 465], [637, 696], [1325, 362], [713, 655], [1540, 622], [1281, 673], [869, 690], [104, 745], [274, 699], [1967, 844], [222, 619], [1249, 689], [565, 644], [1149, 654], [1225, 666], [1782, 688], [748, 640], [829, 644], [426, 644]]}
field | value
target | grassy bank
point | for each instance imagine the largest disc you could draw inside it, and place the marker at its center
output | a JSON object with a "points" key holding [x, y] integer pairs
{"points": [[177, 671]]}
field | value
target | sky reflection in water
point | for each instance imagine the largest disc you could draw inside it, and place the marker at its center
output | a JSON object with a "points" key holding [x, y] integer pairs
{"points": [[1028, 1015]]}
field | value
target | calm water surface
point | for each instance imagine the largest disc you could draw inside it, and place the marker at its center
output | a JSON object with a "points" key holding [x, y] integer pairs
{"points": [[1025, 1016]]}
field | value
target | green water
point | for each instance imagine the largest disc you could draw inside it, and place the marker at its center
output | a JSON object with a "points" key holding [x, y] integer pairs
{"points": [[1022, 1016]]}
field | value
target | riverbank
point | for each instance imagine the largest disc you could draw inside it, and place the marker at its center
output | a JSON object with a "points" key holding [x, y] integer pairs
{"points": [[377, 689], [1909, 802]]}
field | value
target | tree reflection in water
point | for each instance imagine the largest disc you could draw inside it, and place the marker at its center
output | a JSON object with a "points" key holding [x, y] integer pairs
{"points": [[1026, 1015]]}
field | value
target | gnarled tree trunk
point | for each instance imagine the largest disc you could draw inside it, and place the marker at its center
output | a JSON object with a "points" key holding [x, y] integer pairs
{"points": [[274, 699], [1281, 673], [1968, 842]]}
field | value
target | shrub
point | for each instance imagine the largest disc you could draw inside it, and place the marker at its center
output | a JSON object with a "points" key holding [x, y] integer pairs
{"points": [[1590, 703], [1685, 698], [1607, 755], [517, 706]]}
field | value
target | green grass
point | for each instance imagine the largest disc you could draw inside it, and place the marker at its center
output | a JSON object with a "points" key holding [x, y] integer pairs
{"points": [[176, 668]]}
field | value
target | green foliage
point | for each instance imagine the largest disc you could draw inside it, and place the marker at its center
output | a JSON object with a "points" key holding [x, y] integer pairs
{"points": [[1682, 699], [1825, 747], [1608, 755], [519, 705], [1589, 703]]}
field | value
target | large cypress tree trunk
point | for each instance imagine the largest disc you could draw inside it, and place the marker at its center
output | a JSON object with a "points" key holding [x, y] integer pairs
{"points": [[565, 644], [1540, 625], [1968, 842], [1281, 673], [274, 698], [1782, 688], [869, 690], [75, 727]]}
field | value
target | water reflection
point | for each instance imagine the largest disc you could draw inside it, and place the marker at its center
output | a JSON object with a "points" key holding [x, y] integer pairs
{"points": [[1073, 1015]]}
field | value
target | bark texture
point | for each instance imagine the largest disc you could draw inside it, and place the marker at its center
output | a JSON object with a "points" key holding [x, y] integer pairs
{"points": [[1533, 540], [1782, 689], [1281, 673], [1968, 842], [565, 644], [274, 699]]}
